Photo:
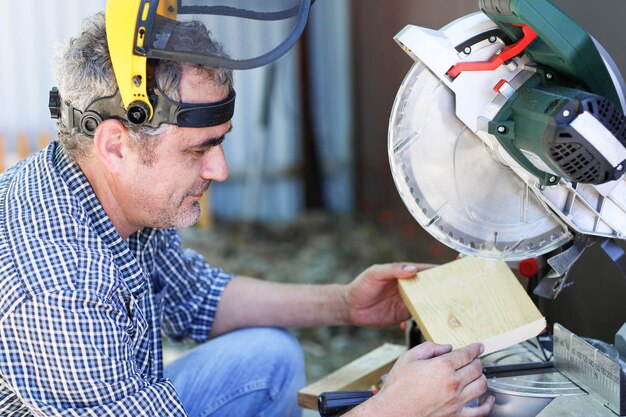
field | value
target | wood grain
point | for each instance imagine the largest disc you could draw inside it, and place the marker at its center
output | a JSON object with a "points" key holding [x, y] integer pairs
{"points": [[472, 300]]}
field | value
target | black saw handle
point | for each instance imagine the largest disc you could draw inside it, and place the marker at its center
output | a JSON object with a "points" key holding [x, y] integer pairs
{"points": [[336, 403]]}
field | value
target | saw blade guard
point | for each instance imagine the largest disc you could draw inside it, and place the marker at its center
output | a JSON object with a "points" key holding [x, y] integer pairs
{"points": [[455, 185]]}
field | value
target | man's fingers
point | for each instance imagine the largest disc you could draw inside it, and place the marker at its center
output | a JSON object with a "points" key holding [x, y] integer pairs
{"points": [[441, 350], [479, 411], [474, 389], [408, 270], [428, 350], [398, 269], [470, 372], [465, 355]]}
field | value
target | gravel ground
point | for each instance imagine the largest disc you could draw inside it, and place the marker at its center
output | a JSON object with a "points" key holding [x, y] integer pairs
{"points": [[317, 248]]}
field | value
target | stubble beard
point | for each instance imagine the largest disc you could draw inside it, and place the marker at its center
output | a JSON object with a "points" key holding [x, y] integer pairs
{"points": [[184, 214]]}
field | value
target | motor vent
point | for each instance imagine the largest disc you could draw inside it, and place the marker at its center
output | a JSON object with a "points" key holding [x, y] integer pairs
{"points": [[578, 163], [575, 155], [606, 112]]}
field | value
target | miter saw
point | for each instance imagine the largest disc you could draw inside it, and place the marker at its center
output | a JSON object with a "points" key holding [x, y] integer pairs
{"points": [[507, 140], [507, 137]]}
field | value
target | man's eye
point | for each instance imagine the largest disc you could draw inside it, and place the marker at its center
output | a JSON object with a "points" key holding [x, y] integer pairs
{"points": [[206, 148]]}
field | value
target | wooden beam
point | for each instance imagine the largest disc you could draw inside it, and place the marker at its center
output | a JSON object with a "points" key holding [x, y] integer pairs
{"points": [[359, 374], [44, 140], [23, 147]]}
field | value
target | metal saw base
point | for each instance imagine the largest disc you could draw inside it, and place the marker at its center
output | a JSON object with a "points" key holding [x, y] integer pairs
{"points": [[595, 367], [578, 406]]}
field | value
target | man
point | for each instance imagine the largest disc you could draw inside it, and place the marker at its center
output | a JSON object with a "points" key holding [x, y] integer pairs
{"points": [[93, 272]]}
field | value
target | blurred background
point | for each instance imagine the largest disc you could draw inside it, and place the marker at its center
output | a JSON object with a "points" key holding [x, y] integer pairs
{"points": [[310, 195]]}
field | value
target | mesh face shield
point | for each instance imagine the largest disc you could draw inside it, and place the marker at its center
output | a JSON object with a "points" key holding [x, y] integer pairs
{"points": [[251, 33], [232, 34]]}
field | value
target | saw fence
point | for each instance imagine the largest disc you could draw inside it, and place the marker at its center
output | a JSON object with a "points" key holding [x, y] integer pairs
{"points": [[15, 149]]}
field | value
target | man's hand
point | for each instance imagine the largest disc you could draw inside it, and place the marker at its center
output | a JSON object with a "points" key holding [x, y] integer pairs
{"points": [[372, 299], [431, 381]]}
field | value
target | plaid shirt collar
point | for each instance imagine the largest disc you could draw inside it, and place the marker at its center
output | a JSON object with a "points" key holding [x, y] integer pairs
{"points": [[76, 180]]}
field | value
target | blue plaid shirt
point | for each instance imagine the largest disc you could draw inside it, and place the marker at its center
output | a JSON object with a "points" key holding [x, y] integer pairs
{"points": [[81, 309]]}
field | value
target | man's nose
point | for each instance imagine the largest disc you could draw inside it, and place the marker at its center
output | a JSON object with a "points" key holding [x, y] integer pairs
{"points": [[214, 166]]}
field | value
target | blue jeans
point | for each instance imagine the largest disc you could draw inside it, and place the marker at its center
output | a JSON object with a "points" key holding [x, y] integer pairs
{"points": [[253, 372]]}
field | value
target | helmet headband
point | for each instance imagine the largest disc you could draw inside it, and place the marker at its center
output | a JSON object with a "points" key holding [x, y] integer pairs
{"points": [[166, 110]]}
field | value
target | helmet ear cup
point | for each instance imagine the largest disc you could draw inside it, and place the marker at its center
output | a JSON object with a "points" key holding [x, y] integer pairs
{"points": [[89, 122]]}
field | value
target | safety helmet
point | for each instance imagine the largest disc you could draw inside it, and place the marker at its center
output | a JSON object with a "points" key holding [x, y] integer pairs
{"points": [[252, 33]]}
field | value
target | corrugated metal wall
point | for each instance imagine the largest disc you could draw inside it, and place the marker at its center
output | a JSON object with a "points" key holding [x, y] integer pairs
{"points": [[28, 32], [379, 68], [329, 35], [263, 150]]}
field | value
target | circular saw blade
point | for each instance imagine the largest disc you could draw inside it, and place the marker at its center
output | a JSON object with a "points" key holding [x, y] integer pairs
{"points": [[454, 186]]}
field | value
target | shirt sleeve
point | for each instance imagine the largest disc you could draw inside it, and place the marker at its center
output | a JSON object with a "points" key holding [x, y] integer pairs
{"points": [[193, 290], [70, 353]]}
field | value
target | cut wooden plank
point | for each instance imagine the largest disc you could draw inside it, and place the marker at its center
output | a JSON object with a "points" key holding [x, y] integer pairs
{"points": [[359, 374], [472, 300]]}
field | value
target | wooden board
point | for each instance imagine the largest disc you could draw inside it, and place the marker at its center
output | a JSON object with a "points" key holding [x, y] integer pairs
{"points": [[359, 374], [472, 300]]}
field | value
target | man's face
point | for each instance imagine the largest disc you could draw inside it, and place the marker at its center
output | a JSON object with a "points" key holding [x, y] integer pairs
{"points": [[165, 193]]}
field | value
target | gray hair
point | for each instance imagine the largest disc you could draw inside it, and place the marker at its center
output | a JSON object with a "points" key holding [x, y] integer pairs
{"points": [[83, 72]]}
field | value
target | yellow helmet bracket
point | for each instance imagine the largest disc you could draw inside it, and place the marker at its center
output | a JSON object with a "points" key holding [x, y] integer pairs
{"points": [[127, 26]]}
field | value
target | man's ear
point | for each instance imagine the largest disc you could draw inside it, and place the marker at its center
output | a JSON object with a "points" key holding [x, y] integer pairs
{"points": [[110, 144]]}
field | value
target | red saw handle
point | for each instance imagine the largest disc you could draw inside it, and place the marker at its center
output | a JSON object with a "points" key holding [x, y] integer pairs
{"points": [[507, 53]]}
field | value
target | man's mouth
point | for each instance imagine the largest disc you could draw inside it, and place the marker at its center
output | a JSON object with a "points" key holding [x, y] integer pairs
{"points": [[198, 192]]}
